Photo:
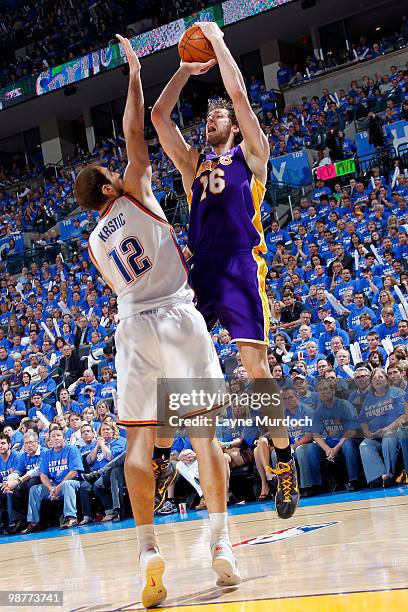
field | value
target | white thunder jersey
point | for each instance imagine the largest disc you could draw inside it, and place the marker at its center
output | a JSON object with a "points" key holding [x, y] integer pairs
{"points": [[137, 253]]}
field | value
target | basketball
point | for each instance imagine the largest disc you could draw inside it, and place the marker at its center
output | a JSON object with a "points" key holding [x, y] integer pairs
{"points": [[194, 46]]}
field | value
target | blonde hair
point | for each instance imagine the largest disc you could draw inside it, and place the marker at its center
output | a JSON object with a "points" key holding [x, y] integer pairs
{"points": [[109, 422]]}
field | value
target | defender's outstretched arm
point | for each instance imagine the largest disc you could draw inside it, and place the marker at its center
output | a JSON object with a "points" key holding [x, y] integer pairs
{"points": [[138, 174]]}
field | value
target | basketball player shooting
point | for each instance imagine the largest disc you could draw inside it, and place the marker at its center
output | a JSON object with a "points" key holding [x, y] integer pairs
{"points": [[225, 189], [160, 335]]}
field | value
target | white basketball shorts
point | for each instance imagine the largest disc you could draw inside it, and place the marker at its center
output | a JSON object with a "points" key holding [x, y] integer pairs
{"points": [[163, 343]]}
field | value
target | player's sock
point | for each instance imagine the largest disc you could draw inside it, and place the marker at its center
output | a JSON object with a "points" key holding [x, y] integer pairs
{"points": [[223, 560], [219, 528], [162, 452], [146, 538], [283, 455]]}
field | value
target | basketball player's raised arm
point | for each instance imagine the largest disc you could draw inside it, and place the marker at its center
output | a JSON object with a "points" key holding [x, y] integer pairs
{"points": [[255, 147], [183, 156], [138, 173]]}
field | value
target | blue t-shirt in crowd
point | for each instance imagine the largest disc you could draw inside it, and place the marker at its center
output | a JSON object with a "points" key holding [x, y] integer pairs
{"points": [[9, 465], [296, 431], [379, 412], [56, 465], [45, 409], [29, 462], [388, 332], [181, 443], [116, 446], [333, 421]]}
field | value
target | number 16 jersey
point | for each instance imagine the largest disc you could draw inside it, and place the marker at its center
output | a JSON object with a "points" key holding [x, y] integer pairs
{"points": [[225, 205], [137, 254]]}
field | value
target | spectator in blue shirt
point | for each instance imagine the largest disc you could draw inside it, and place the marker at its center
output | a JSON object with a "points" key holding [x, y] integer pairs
{"points": [[369, 284], [254, 90], [225, 348], [40, 407], [330, 331], [108, 386], [357, 309], [267, 100], [383, 412], [361, 195], [88, 379], [320, 189], [24, 392], [46, 386], [20, 482], [108, 445], [59, 469], [66, 404], [311, 357], [366, 326], [13, 409], [6, 362], [403, 333], [388, 329], [276, 235], [346, 284], [284, 74], [8, 464], [334, 430]]}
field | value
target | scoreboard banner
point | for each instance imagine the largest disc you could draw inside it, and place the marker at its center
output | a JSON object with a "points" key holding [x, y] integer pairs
{"points": [[144, 44]]}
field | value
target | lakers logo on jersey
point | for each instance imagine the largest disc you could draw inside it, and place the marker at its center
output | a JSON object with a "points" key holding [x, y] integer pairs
{"points": [[225, 160]]}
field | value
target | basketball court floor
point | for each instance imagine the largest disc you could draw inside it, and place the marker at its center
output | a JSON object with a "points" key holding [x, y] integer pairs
{"points": [[339, 552]]}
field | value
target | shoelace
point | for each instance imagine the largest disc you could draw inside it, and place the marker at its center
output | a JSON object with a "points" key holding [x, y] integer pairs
{"points": [[284, 470]]}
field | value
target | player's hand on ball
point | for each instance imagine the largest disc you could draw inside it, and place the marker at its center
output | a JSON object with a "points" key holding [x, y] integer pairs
{"points": [[196, 68], [210, 29], [133, 60]]}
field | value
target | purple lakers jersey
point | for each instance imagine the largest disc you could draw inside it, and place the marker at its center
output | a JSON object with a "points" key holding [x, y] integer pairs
{"points": [[225, 202]]}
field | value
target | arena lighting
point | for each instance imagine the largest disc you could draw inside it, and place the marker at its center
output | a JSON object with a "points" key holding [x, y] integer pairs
{"points": [[377, 29], [70, 90]]}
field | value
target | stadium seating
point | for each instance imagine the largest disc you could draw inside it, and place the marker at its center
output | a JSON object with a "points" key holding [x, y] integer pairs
{"points": [[342, 251]]}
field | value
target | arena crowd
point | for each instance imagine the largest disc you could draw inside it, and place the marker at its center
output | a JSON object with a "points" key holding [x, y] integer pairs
{"points": [[337, 288]]}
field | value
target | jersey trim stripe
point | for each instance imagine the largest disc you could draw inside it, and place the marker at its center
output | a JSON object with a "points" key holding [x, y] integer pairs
{"points": [[147, 210], [258, 190], [138, 423], [95, 263], [190, 198], [107, 210], [183, 261], [249, 341], [261, 276]]}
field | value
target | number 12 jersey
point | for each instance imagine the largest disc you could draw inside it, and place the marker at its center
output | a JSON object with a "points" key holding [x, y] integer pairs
{"points": [[137, 254]]}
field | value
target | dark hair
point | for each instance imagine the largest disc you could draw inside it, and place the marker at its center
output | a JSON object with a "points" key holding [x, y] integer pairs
{"points": [[4, 436], [88, 188], [224, 104], [4, 397]]}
